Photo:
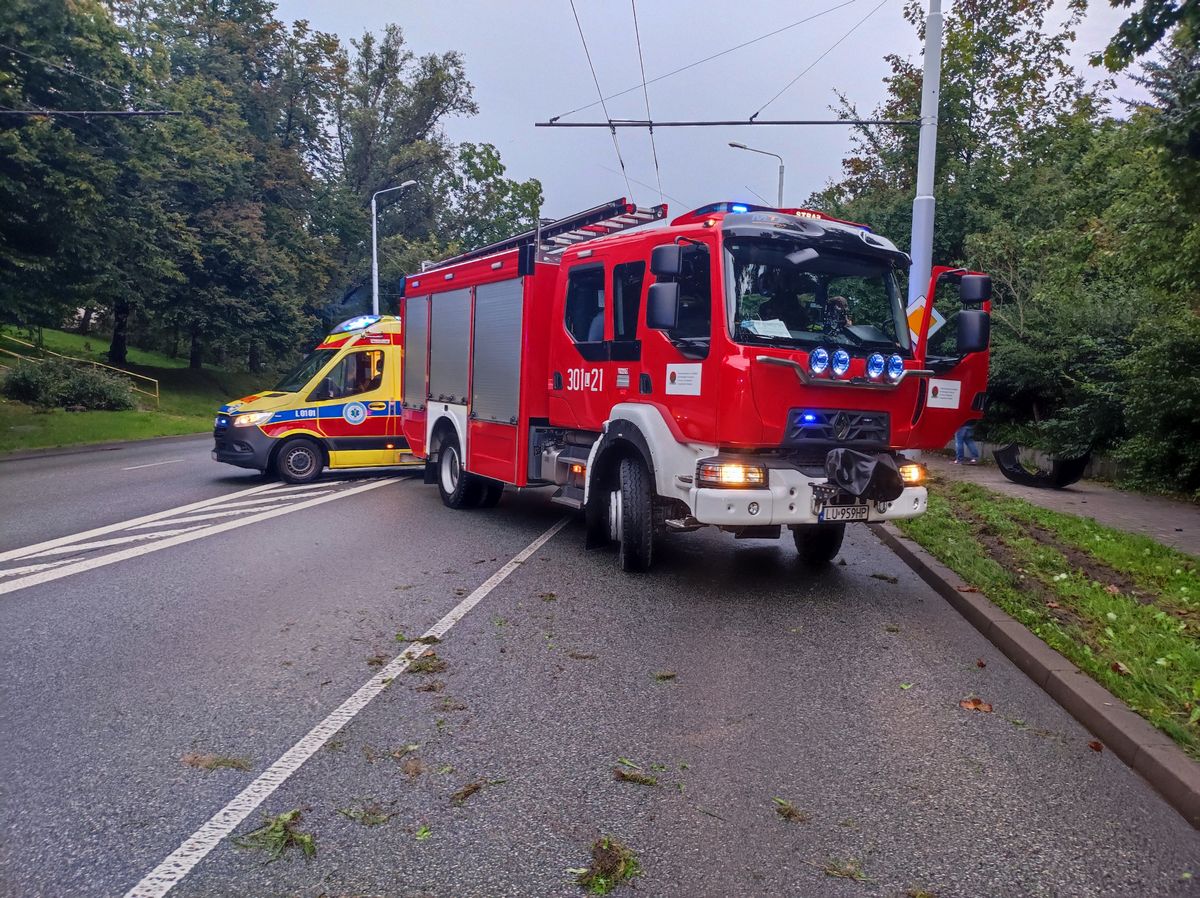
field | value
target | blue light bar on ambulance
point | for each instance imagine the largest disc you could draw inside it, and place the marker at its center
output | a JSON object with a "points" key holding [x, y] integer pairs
{"points": [[355, 324]]}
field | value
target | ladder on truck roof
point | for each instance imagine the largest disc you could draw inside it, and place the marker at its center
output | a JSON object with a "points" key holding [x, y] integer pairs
{"points": [[551, 240]]}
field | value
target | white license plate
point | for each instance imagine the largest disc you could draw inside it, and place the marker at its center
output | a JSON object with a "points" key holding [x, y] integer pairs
{"points": [[842, 513]]}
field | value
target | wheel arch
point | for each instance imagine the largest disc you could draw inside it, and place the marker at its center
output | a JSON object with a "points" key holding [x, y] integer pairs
{"points": [[291, 435]]}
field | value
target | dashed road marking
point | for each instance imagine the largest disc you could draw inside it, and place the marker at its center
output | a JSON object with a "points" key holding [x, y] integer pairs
{"points": [[159, 881], [154, 464]]}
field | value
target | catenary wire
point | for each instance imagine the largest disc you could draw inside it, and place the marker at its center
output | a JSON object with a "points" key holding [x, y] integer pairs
{"points": [[646, 95], [603, 105]]}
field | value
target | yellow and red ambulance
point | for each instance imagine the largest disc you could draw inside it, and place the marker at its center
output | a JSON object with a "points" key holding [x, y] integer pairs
{"points": [[340, 408]]}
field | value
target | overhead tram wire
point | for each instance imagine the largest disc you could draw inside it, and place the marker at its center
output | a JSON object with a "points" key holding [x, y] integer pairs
{"points": [[603, 105], [646, 94], [727, 123], [813, 64], [692, 65]]}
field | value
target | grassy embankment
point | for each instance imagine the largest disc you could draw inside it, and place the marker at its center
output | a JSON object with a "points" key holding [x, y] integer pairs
{"points": [[187, 402], [1122, 607]]}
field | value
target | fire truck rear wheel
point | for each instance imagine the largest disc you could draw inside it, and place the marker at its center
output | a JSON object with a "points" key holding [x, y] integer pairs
{"points": [[632, 511], [458, 488], [299, 460], [818, 543]]}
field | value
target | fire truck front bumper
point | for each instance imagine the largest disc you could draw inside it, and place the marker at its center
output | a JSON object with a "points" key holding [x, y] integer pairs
{"points": [[791, 497]]}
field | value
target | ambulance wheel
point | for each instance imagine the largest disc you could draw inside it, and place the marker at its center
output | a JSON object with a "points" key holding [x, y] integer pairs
{"points": [[299, 460], [631, 516], [492, 491], [458, 488], [818, 544]]}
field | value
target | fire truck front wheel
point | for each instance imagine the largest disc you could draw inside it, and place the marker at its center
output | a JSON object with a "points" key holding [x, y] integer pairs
{"points": [[631, 516], [818, 543], [458, 488], [299, 460]]}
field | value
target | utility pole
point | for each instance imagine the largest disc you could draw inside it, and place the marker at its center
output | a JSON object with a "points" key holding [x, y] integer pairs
{"points": [[921, 246], [375, 247]]}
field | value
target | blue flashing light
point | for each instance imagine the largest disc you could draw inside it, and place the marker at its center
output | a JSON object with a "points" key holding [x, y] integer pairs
{"points": [[818, 360], [895, 367], [875, 365], [356, 324], [841, 362], [738, 207], [808, 418]]}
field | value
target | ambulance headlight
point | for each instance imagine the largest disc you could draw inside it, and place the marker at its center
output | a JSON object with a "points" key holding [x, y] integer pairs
{"points": [[875, 365], [250, 419], [818, 360], [731, 475], [841, 362], [895, 368]]}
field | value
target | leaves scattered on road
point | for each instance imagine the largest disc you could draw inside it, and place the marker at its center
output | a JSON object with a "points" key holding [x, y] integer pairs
{"points": [[907, 686], [886, 578], [459, 797], [366, 813], [209, 761], [975, 704], [1096, 745], [378, 660], [626, 775], [847, 868], [581, 656], [429, 663], [277, 835], [612, 864], [664, 676], [423, 832], [789, 811]]}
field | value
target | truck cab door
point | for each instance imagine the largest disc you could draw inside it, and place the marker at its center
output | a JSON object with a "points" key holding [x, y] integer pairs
{"points": [[353, 404], [956, 392]]}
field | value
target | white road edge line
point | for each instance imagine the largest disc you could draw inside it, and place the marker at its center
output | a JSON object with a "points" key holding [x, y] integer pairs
{"points": [[180, 862], [154, 464], [144, 519], [91, 563]]}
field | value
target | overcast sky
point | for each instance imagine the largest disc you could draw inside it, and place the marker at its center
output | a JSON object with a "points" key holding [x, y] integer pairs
{"points": [[526, 62]]}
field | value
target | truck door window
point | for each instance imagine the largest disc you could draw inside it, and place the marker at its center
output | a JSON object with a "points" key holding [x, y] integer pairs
{"points": [[584, 311], [627, 299], [358, 372], [694, 326]]}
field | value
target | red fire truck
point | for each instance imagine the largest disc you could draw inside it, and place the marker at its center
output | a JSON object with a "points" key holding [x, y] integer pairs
{"points": [[741, 367]]}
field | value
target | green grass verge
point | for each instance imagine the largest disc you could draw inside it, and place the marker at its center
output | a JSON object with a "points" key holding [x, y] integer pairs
{"points": [[187, 402], [1120, 606]]}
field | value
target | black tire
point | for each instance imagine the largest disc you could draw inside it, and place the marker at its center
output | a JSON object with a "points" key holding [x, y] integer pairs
{"points": [[635, 514], [818, 544], [458, 488], [299, 460], [491, 493]]}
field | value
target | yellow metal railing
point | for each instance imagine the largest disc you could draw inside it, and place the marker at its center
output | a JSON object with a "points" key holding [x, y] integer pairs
{"points": [[150, 388]]}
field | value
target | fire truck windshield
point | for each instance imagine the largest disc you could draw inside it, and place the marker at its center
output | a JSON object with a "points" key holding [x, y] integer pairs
{"points": [[779, 293], [305, 371]]}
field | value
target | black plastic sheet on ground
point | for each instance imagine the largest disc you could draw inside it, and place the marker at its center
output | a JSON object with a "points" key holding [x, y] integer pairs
{"points": [[1063, 471]]}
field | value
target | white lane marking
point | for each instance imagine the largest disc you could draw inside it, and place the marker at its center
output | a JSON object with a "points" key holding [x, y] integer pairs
{"points": [[267, 500], [180, 862], [175, 522], [33, 568], [133, 552], [154, 464], [106, 543], [111, 528]]}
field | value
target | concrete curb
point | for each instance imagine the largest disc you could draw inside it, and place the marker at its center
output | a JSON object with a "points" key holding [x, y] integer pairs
{"points": [[1151, 753], [56, 451]]}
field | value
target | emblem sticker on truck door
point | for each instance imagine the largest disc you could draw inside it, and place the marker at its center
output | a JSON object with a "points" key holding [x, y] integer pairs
{"points": [[944, 393], [683, 380]]}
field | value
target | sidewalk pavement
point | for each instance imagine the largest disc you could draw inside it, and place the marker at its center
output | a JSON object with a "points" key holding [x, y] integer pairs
{"points": [[1169, 521]]}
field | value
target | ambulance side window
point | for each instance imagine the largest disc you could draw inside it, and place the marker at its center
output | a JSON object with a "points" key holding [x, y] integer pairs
{"points": [[584, 310], [358, 372]]}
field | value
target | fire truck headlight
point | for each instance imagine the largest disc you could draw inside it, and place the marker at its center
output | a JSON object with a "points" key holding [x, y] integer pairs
{"points": [[731, 475], [818, 360], [841, 362], [912, 474], [252, 418], [875, 365], [895, 368]]}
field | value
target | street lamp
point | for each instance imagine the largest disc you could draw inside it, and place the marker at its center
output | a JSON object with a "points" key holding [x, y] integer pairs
{"points": [[742, 146], [375, 247]]}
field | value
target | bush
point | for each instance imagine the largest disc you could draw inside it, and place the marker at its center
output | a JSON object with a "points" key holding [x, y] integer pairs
{"points": [[56, 384]]}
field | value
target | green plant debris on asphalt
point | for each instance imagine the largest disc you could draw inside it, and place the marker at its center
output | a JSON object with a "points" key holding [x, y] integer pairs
{"points": [[1122, 607], [625, 775], [366, 813], [429, 663], [612, 864], [277, 835], [844, 868], [209, 761], [789, 811]]}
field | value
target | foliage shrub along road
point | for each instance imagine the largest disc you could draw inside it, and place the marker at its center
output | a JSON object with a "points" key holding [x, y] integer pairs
{"points": [[1122, 607], [188, 400]]}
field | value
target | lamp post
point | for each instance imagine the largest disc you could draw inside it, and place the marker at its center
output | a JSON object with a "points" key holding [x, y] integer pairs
{"points": [[375, 246], [742, 146]]}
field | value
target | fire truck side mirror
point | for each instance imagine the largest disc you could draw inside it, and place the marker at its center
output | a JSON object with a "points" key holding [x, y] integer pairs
{"points": [[666, 261], [974, 289], [662, 307], [974, 330]]}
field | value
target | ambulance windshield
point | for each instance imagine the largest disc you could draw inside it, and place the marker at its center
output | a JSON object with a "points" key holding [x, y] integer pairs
{"points": [[305, 371], [783, 294]]}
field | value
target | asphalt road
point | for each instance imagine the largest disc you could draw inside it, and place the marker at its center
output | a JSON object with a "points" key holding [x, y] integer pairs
{"points": [[731, 675]]}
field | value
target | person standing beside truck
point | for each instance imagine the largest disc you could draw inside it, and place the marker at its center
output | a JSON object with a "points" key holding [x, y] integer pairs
{"points": [[966, 450]]}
